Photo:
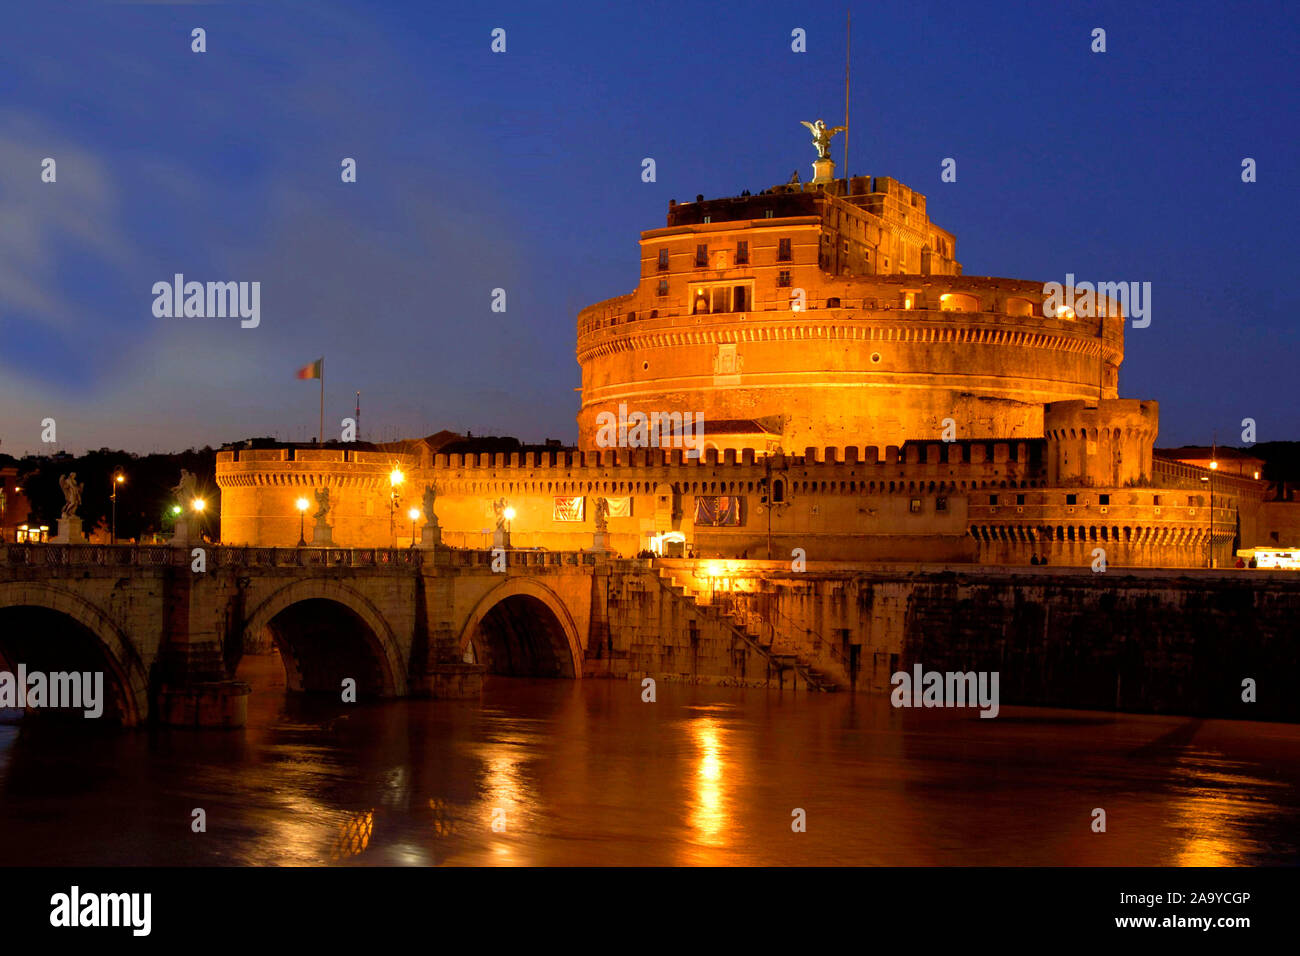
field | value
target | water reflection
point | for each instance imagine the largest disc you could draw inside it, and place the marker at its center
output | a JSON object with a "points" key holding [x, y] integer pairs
{"points": [[708, 807], [584, 772]]}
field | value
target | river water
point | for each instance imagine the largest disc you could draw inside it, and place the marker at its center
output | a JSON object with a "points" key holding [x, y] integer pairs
{"points": [[584, 772]]}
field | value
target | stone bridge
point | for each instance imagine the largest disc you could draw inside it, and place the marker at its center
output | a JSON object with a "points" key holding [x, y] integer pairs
{"points": [[168, 632], [169, 636]]}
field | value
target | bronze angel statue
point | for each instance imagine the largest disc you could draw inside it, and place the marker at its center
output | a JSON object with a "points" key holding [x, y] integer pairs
{"points": [[822, 136]]}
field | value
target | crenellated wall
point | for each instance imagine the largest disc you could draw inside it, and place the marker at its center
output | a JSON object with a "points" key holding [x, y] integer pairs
{"points": [[986, 502]]}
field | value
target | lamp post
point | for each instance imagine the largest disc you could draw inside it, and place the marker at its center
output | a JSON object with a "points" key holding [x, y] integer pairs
{"points": [[118, 479], [302, 519], [413, 514], [1209, 547], [395, 479], [510, 518], [1213, 468]]}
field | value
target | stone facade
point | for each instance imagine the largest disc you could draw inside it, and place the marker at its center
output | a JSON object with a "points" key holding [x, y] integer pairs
{"points": [[941, 417]]}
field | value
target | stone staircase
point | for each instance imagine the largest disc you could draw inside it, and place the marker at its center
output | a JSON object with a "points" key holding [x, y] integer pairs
{"points": [[750, 627]]}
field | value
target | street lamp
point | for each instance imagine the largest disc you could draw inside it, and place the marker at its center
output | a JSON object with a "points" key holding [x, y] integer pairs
{"points": [[509, 514], [413, 514], [118, 480], [302, 517]]}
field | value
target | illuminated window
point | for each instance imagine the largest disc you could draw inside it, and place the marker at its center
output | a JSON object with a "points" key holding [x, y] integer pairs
{"points": [[915, 506], [909, 300], [956, 302], [768, 213]]}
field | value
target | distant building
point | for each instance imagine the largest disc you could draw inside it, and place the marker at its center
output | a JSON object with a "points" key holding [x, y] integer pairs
{"points": [[15, 509]]}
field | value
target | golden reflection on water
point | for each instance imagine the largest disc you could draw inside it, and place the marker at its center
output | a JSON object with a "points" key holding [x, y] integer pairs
{"points": [[1211, 820], [354, 836], [709, 817]]}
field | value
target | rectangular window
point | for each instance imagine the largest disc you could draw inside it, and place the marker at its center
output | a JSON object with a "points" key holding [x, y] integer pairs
{"points": [[701, 256], [783, 251], [915, 506], [1020, 499], [742, 253], [1071, 499], [663, 259], [783, 278], [768, 214], [708, 219], [993, 499], [1155, 500], [1103, 499], [940, 504], [740, 302], [663, 287], [721, 295]]}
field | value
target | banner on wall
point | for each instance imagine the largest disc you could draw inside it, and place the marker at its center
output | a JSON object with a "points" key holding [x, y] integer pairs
{"points": [[717, 510], [567, 508], [620, 507]]}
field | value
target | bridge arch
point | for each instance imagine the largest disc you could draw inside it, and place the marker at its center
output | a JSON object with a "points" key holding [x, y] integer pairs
{"points": [[128, 679], [551, 649], [382, 644]]}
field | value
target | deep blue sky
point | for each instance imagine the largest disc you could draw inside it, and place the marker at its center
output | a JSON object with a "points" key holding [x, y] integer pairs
{"points": [[522, 170]]}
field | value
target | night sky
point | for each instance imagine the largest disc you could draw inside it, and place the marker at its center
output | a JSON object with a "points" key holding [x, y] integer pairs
{"points": [[522, 170]]}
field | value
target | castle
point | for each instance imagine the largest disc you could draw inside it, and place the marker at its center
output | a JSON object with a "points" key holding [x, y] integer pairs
{"points": [[860, 399]]}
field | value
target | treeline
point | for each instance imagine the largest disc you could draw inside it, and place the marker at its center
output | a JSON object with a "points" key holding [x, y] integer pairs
{"points": [[144, 501]]}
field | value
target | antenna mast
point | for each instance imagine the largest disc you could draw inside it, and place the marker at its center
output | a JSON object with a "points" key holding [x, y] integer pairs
{"points": [[848, 29]]}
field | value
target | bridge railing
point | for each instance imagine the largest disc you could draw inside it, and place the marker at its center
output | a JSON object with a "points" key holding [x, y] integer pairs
{"points": [[471, 558], [221, 555], [216, 556]]}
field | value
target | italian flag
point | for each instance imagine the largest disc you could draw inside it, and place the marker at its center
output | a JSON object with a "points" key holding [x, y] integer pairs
{"points": [[313, 370]]}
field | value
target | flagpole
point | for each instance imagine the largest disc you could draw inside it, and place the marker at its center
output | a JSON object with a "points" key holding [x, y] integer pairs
{"points": [[848, 39], [320, 435]]}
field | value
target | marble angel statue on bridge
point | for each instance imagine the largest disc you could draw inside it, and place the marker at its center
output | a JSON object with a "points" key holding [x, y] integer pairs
{"points": [[71, 494]]}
